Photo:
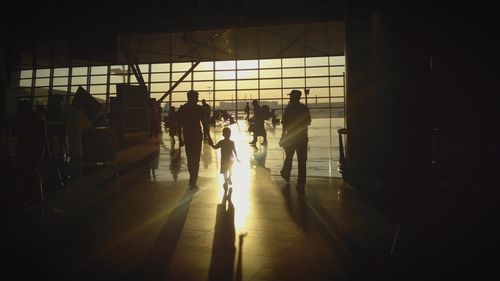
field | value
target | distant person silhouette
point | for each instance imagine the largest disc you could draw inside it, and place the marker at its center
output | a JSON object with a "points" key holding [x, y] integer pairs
{"points": [[206, 114], [258, 119], [227, 155], [247, 111], [296, 119], [191, 121], [31, 148], [173, 126]]}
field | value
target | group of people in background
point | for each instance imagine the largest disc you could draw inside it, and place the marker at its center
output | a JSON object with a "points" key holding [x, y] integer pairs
{"points": [[190, 124]]}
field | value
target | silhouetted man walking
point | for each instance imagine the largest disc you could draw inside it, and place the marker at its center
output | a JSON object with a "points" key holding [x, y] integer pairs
{"points": [[191, 120], [296, 119]]}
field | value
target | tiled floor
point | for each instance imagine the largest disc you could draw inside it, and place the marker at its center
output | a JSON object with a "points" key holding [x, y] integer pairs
{"points": [[147, 225]]}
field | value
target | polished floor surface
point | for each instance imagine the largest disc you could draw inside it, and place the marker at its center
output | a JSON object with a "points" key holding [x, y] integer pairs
{"points": [[146, 224]]}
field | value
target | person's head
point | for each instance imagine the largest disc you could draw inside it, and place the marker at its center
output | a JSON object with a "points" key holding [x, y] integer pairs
{"points": [[255, 102], [203, 101], [192, 96], [295, 95], [226, 132], [172, 108]]}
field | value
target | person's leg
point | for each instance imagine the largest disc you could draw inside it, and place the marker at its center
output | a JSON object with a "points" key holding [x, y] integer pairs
{"points": [[287, 164], [193, 153], [196, 159], [302, 162]]}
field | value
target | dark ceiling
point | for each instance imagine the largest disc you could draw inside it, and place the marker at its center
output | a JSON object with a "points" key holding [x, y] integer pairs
{"points": [[62, 19]]}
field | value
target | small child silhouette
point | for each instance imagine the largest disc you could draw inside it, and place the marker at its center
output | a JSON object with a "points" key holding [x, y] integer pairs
{"points": [[228, 153]]}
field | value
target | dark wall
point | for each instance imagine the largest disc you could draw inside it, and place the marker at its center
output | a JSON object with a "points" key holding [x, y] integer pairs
{"points": [[411, 69]]}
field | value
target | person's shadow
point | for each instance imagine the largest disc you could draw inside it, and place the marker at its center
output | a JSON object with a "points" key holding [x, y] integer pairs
{"points": [[223, 249], [154, 265]]}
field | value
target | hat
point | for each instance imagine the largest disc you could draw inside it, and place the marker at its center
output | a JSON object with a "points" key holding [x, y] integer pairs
{"points": [[295, 94]]}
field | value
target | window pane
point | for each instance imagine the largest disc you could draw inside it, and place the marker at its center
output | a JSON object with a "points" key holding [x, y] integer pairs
{"points": [[160, 67], [79, 71], [204, 75], [181, 66], [221, 65], [336, 81], [98, 89], [184, 86], [61, 71], [203, 86], [26, 73], [206, 65], [144, 68], [271, 94], [99, 70], [317, 61], [293, 62], [42, 82], [225, 85], [270, 63], [317, 71], [247, 95], [337, 60], [337, 70], [98, 79], [245, 74], [337, 91], [317, 82], [58, 81], [160, 77], [293, 83], [79, 80], [118, 79], [293, 72], [318, 92], [43, 72], [248, 84], [248, 64], [25, 83], [222, 75], [160, 87], [270, 73], [270, 83]]}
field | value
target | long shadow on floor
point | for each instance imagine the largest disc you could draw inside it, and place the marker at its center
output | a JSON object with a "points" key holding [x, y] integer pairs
{"points": [[310, 215], [223, 249], [154, 266]]}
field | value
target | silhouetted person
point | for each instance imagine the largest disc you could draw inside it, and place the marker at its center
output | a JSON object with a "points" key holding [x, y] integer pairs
{"points": [[173, 126], [247, 111], [206, 114], [191, 121], [31, 148], [227, 155], [296, 119], [258, 123]]}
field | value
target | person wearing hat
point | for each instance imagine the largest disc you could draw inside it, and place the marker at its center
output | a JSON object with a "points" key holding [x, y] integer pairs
{"points": [[296, 119], [191, 121]]}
